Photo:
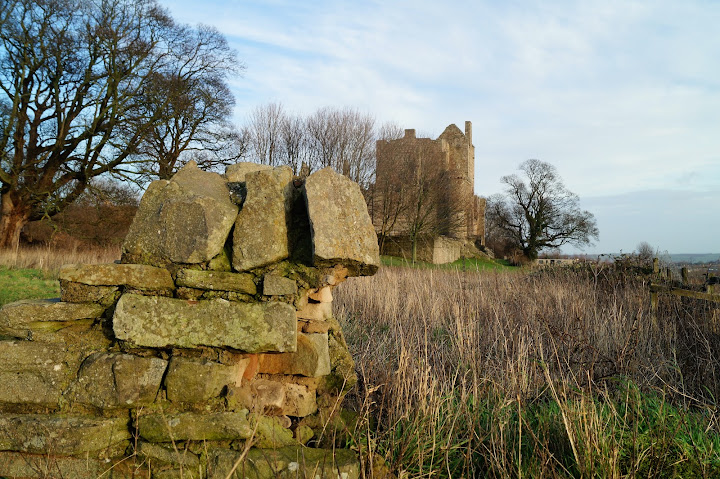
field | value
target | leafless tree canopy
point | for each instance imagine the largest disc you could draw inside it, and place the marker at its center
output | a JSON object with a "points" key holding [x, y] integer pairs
{"points": [[537, 211], [89, 88]]}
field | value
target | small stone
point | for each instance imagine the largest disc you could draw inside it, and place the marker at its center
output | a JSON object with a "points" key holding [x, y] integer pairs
{"points": [[322, 295], [315, 311], [196, 380], [313, 326], [270, 433], [168, 455], [216, 281], [83, 293], [194, 426], [274, 285], [236, 173], [303, 434], [21, 318], [311, 359]]}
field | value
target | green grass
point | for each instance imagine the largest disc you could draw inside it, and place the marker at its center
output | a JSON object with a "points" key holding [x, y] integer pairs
{"points": [[467, 264], [17, 284]]}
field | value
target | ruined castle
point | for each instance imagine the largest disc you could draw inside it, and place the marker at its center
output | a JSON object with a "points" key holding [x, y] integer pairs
{"points": [[448, 164]]}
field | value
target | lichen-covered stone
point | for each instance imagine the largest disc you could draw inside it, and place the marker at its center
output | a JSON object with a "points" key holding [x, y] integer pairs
{"points": [[260, 237], [194, 426], [21, 318], [287, 462], [168, 455], [311, 359], [275, 285], [111, 380], [137, 276], [270, 433], [342, 232], [62, 435], [342, 376], [216, 281], [193, 380], [236, 173], [159, 322], [184, 220], [105, 296], [37, 373], [24, 465]]}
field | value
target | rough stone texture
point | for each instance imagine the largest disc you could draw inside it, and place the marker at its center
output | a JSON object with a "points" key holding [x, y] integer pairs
{"points": [[184, 220], [64, 435], [322, 295], [216, 281], [196, 380], [167, 455], [35, 373], [21, 318], [193, 426], [311, 359], [287, 462], [342, 231], [266, 396], [312, 326], [261, 229], [82, 293], [270, 432], [236, 173], [315, 311], [110, 380], [275, 285], [163, 322], [342, 376], [137, 276], [24, 465]]}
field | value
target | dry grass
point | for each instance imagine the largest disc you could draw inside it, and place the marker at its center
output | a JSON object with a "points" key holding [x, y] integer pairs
{"points": [[551, 374], [51, 259]]}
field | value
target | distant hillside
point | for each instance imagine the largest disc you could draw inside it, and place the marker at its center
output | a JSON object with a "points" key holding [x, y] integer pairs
{"points": [[695, 258]]}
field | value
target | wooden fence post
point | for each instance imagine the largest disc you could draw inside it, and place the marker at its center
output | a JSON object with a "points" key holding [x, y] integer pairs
{"points": [[684, 274]]}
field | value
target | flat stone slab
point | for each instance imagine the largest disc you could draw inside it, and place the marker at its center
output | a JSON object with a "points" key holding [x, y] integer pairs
{"points": [[194, 426], [138, 276], [192, 380], [184, 220], [217, 281], [22, 318], [61, 435], [159, 322], [275, 285], [285, 462], [342, 231], [312, 358], [261, 229]]}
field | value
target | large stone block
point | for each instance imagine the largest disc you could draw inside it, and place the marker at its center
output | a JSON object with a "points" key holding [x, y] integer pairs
{"points": [[261, 229], [236, 173], [158, 322], [184, 220], [287, 462], [36, 373], [342, 232], [217, 281], [137, 276], [193, 426], [61, 435], [276, 285], [311, 359], [21, 318], [111, 380], [23, 465], [195, 380]]}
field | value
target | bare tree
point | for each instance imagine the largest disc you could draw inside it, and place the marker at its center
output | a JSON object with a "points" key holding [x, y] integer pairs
{"points": [[294, 141], [264, 134], [541, 213], [73, 106]]}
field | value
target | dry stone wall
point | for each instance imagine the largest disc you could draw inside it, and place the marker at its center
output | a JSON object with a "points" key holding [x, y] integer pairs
{"points": [[213, 333]]}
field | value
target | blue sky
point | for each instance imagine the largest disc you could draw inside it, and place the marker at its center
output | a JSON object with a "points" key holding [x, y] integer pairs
{"points": [[623, 97]]}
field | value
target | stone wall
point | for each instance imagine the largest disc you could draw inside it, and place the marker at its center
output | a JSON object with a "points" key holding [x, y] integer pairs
{"points": [[210, 347]]}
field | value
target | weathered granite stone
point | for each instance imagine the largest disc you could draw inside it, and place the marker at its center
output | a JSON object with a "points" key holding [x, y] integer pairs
{"points": [[62, 435], [275, 285], [311, 359], [236, 173], [137, 276], [342, 231], [216, 281], [193, 426], [159, 322], [195, 380], [111, 380], [287, 462], [261, 229], [184, 220], [21, 318], [83, 293], [37, 373]]}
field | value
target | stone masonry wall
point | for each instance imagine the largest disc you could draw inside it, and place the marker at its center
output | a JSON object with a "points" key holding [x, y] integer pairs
{"points": [[213, 334]]}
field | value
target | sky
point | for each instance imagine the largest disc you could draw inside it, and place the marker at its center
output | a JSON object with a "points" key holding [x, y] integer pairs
{"points": [[622, 97]]}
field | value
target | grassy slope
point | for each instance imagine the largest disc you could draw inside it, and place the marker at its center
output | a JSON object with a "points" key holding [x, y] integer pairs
{"points": [[468, 264], [16, 284]]}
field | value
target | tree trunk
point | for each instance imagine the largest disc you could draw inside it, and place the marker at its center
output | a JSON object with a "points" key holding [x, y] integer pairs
{"points": [[13, 216], [414, 248]]}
